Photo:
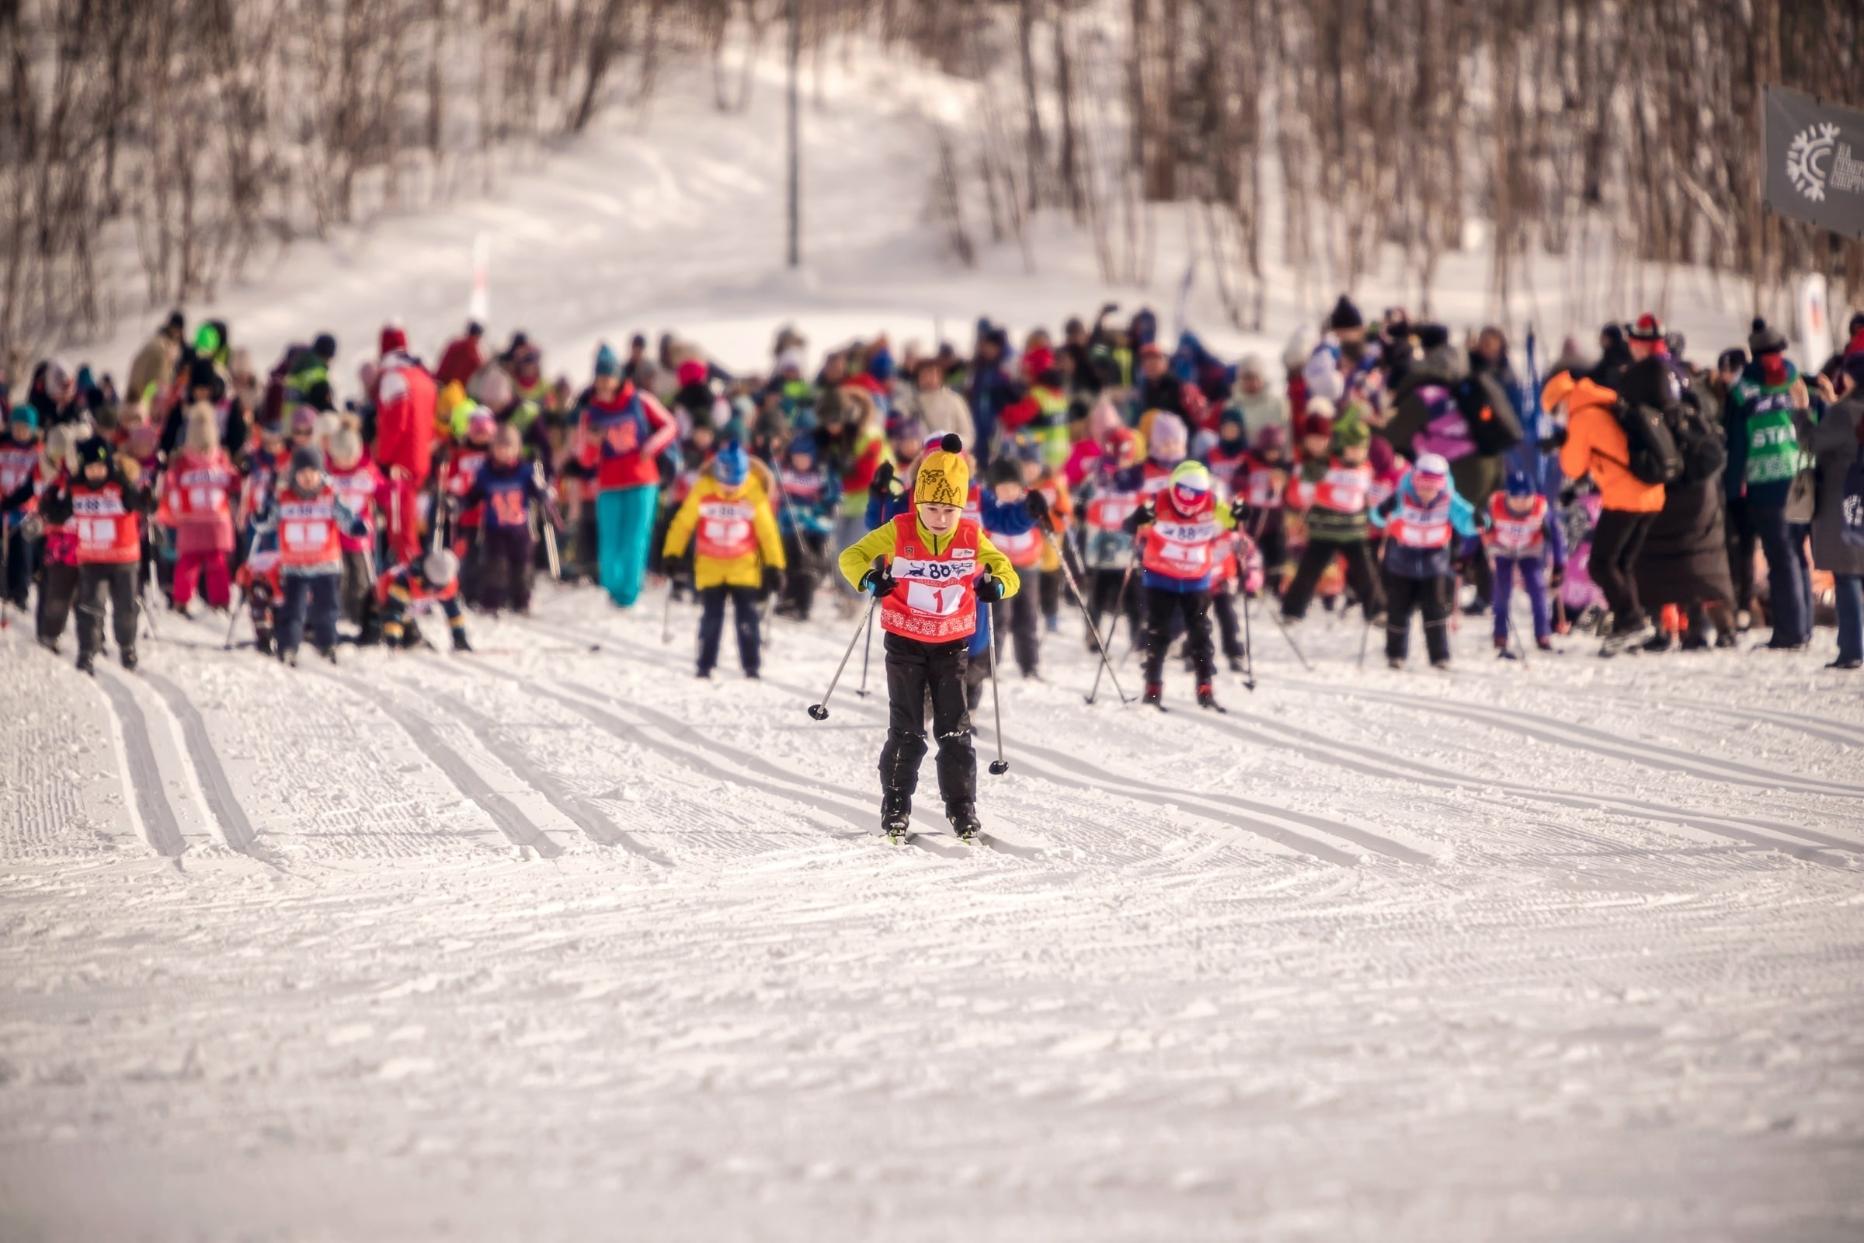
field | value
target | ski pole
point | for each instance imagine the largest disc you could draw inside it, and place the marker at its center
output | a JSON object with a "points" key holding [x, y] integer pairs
{"points": [[6, 585], [819, 711], [233, 621], [1074, 589], [1119, 611], [998, 766], [1275, 616], [1249, 649], [867, 653], [666, 613], [1365, 635]]}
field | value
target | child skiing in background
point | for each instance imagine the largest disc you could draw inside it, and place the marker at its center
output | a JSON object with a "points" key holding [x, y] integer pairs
{"points": [[197, 505], [310, 522], [1108, 496], [737, 554], [1180, 534], [1262, 482], [19, 453], [104, 505], [810, 498], [1331, 489], [464, 461], [1523, 535], [1012, 529], [1043, 482], [1419, 522], [503, 492], [432, 578], [934, 567], [58, 562], [362, 488]]}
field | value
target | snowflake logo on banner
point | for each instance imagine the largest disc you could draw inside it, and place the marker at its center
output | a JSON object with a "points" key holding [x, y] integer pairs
{"points": [[1807, 159]]}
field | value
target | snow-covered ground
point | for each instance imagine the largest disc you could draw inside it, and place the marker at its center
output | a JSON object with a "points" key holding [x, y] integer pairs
{"points": [[555, 942]]}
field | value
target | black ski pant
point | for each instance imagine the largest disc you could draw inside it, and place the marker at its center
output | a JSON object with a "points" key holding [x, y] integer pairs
{"points": [[1162, 609], [469, 546], [311, 597], [806, 554], [1266, 527], [505, 567], [1315, 559], [583, 560], [260, 600], [1103, 592], [744, 620], [916, 671], [1229, 624], [1617, 543], [1023, 613], [58, 591], [357, 589], [22, 560], [1743, 538], [119, 582], [1403, 596], [1048, 588]]}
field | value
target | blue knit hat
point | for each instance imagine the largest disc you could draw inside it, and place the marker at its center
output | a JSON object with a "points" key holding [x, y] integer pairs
{"points": [[731, 465], [607, 362], [24, 414]]}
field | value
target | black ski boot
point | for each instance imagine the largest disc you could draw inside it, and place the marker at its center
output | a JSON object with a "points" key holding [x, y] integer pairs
{"points": [[87, 663], [896, 814], [328, 653], [459, 641], [262, 642], [50, 645], [964, 821], [1155, 695], [288, 656], [128, 657], [1207, 698]]}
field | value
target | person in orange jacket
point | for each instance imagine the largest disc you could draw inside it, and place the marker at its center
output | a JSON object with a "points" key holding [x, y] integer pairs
{"points": [[1594, 445]]}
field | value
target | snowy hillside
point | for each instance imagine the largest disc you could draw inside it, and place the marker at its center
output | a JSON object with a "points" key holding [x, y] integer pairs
{"points": [[554, 941]]}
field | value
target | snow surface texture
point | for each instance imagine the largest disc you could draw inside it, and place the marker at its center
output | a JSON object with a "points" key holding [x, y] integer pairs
{"points": [[548, 942]]}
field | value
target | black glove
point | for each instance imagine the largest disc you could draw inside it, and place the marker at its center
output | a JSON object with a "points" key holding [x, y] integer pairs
{"points": [[1556, 576], [878, 583], [1038, 507], [1138, 518], [1238, 508], [989, 590], [883, 479], [1549, 443], [773, 580], [679, 566]]}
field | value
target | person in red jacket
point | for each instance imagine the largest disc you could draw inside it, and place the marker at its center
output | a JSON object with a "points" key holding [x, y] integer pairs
{"points": [[197, 490], [620, 434], [462, 358], [104, 506], [404, 436]]}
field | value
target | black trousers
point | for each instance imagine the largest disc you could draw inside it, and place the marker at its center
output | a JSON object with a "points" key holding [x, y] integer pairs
{"points": [[505, 567], [744, 620], [357, 592], [58, 591], [1617, 543], [1048, 587], [1193, 608], [261, 602], [119, 582], [1743, 538], [916, 671], [22, 560], [1229, 623], [1103, 590], [1315, 559], [313, 597], [1426, 595], [1022, 611], [807, 557], [1271, 536]]}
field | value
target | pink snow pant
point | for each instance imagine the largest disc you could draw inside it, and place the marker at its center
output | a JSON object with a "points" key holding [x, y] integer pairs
{"points": [[190, 564]]}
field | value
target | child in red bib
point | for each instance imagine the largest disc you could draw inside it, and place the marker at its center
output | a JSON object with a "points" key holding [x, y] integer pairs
{"points": [[103, 506]]}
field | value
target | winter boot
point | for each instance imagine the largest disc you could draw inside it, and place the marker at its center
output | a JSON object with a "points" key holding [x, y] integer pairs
{"points": [[896, 813], [289, 656], [328, 653], [50, 645], [1443, 664], [1207, 698], [964, 821], [262, 642], [1544, 642], [1155, 695], [459, 641], [1236, 664], [1395, 662], [86, 662], [128, 657]]}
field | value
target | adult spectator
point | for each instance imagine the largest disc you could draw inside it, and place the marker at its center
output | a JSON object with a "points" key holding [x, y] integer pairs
{"points": [[154, 364], [1763, 457], [1836, 441], [462, 357], [938, 408], [404, 399]]}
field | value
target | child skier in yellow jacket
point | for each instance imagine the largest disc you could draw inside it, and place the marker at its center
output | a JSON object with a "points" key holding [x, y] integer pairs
{"points": [[930, 570], [737, 554]]}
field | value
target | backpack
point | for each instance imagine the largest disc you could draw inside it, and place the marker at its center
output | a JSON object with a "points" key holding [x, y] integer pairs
{"points": [[1494, 425], [1653, 457], [1702, 452]]}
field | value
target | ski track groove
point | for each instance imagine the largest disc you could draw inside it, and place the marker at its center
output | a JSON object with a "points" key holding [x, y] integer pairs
{"points": [[509, 820], [1207, 808], [215, 787], [574, 808], [1645, 754], [141, 770]]}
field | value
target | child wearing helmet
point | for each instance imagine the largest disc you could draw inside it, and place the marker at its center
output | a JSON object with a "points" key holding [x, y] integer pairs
{"points": [[1183, 535], [737, 554], [310, 521], [928, 569], [402, 591], [1420, 521], [1523, 537]]}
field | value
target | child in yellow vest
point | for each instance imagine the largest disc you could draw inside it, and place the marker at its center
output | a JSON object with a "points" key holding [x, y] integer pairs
{"points": [[738, 554], [930, 569]]}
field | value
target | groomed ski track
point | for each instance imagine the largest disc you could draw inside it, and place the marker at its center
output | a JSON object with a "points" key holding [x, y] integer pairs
{"points": [[531, 941]]}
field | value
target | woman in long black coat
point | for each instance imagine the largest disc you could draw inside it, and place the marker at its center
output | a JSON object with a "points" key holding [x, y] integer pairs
{"points": [[1685, 557]]}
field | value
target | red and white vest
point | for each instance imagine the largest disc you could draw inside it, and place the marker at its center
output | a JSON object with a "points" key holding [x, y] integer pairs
{"points": [[1419, 524], [1024, 551], [1259, 485], [1517, 536], [726, 530], [1107, 508], [356, 488], [16, 463], [936, 599], [307, 529], [196, 489], [1182, 546], [108, 532], [1343, 489]]}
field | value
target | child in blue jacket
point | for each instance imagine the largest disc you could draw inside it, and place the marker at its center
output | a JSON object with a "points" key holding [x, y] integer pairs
{"points": [[1420, 521]]}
